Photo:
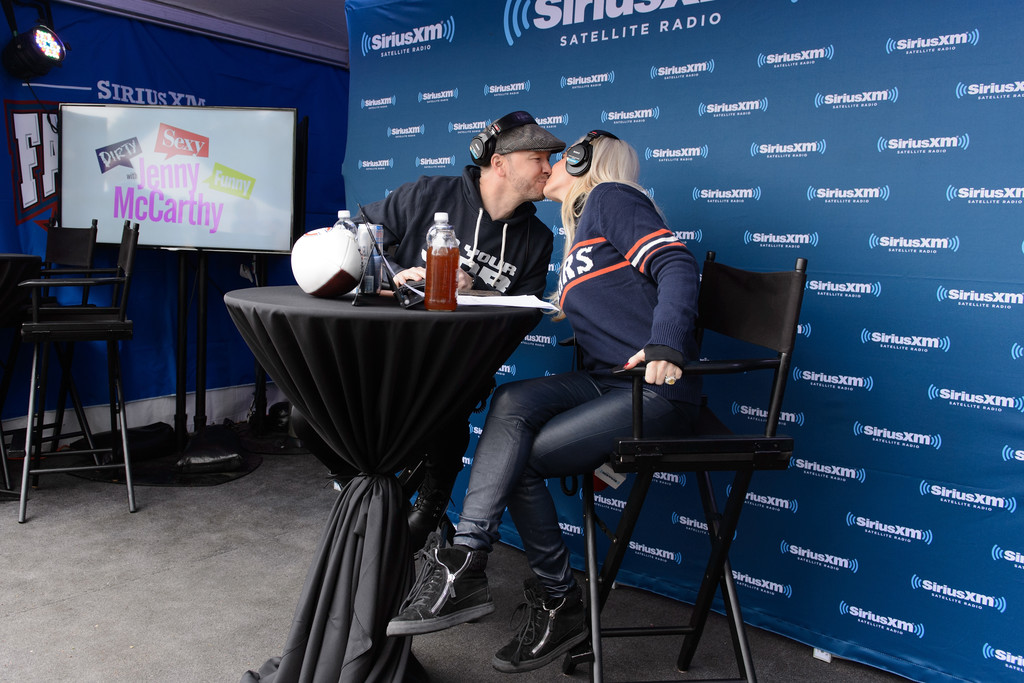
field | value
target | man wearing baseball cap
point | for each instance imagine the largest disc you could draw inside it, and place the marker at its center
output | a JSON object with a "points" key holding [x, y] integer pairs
{"points": [[504, 248]]}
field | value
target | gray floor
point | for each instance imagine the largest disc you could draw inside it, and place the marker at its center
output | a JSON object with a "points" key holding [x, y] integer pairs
{"points": [[200, 585]]}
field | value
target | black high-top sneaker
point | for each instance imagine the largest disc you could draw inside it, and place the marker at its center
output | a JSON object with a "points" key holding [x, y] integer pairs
{"points": [[450, 589], [547, 628]]}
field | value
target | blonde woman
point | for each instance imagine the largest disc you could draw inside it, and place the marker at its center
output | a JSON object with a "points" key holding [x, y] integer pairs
{"points": [[629, 289]]}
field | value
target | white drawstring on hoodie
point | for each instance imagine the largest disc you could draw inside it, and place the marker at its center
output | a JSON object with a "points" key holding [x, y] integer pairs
{"points": [[476, 239]]}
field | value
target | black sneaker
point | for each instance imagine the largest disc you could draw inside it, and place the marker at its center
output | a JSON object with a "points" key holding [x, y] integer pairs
{"points": [[547, 628], [450, 589]]}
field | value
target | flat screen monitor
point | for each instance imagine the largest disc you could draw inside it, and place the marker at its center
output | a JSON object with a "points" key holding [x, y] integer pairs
{"points": [[219, 178]]}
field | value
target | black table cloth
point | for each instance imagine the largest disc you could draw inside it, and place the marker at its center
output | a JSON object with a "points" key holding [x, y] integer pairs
{"points": [[373, 381]]}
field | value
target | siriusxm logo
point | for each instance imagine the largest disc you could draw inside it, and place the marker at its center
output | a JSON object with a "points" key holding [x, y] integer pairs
{"points": [[467, 126], [503, 89], [800, 58], [689, 523], [891, 624], [768, 239], [635, 116], [850, 100], [760, 414], [736, 195], [840, 382], [848, 289], [438, 96], [966, 399], [518, 17], [899, 438], [990, 91], [970, 297], [434, 162], [378, 102], [413, 40], [833, 562], [762, 585], [407, 132], [676, 154], [986, 195], [507, 369], [1009, 659], [608, 503], [958, 595], [772, 503], [888, 340], [570, 529], [1011, 556], [790, 150], [894, 531], [670, 478], [690, 235], [682, 70], [978, 501], [375, 165], [923, 145], [935, 44], [852, 195], [656, 553], [733, 108], [591, 81], [554, 120], [541, 340], [914, 245], [1009, 453], [833, 472]]}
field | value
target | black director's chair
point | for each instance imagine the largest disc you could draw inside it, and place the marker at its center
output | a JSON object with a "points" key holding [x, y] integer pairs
{"points": [[757, 308]]}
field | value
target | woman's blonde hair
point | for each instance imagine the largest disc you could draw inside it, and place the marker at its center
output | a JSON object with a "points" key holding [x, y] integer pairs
{"points": [[612, 161]]}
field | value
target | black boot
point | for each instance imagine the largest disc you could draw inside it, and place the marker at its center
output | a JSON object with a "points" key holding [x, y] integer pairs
{"points": [[431, 503], [451, 589], [547, 628]]}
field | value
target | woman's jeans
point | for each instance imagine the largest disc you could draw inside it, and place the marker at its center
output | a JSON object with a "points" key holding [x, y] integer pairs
{"points": [[550, 427]]}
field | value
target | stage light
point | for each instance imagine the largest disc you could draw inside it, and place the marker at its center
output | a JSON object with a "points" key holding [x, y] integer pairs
{"points": [[32, 54]]}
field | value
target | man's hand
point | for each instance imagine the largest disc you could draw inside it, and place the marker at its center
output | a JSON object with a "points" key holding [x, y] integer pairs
{"points": [[411, 275], [464, 280]]}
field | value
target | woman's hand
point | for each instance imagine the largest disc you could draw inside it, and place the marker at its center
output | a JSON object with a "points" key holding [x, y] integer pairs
{"points": [[657, 371]]}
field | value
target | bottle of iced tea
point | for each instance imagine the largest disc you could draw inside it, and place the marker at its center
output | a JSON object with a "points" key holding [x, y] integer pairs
{"points": [[442, 265]]}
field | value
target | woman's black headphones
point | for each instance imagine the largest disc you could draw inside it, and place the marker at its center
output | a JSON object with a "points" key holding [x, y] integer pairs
{"points": [[579, 156], [481, 148]]}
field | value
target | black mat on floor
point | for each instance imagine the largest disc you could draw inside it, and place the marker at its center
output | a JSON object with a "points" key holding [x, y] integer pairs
{"points": [[164, 471]]}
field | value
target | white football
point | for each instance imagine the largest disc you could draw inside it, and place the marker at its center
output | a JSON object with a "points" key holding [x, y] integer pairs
{"points": [[326, 262]]}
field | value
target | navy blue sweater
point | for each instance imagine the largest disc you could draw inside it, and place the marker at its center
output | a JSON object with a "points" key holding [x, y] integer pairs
{"points": [[627, 283]]}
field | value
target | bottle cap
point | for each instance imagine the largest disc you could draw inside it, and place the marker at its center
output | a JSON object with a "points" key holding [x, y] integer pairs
{"points": [[441, 216], [344, 213]]}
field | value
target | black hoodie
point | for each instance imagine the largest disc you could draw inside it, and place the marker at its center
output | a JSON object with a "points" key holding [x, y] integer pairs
{"points": [[519, 248]]}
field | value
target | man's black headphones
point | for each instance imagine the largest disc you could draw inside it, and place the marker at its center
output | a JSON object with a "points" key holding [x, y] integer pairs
{"points": [[579, 156], [481, 148]]}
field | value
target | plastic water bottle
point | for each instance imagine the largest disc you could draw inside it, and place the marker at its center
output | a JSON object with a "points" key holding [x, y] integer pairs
{"points": [[345, 221], [442, 265]]}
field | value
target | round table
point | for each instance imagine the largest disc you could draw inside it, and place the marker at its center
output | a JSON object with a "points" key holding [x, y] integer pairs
{"points": [[373, 381]]}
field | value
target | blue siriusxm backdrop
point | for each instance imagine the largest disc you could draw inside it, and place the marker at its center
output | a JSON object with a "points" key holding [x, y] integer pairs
{"points": [[879, 140]]}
